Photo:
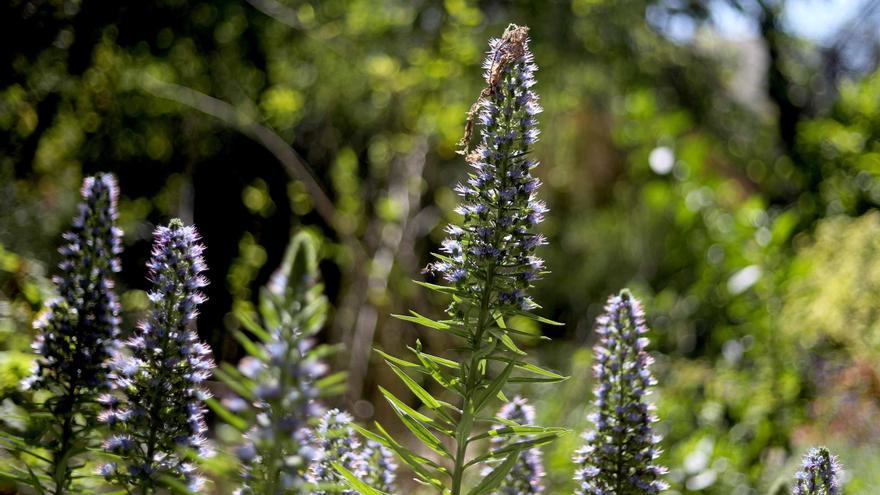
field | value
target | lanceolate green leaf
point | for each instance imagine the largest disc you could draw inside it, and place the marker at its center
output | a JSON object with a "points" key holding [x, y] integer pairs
{"points": [[421, 466], [494, 478], [226, 415], [494, 387], [354, 482], [519, 430], [402, 362], [423, 395], [420, 431], [395, 402], [522, 445], [521, 365]]}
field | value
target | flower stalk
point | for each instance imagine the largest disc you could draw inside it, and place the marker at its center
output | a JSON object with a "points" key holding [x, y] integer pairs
{"points": [[279, 383], [488, 263], [156, 410], [620, 452], [78, 329]]}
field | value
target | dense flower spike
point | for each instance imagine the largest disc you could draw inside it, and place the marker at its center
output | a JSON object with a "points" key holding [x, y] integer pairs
{"points": [[382, 470], [620, 453], [494, 246], [337, 443], [281, 377], [489, 264], [524, 478], [78, 329], [156, 408], [819, 474]]}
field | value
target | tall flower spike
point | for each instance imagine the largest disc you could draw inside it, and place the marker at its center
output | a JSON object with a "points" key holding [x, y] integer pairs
{"points": [[157, 407], [524, 478], [819, 474], [78, 329], [620, 453], [489, 263], [494, 246], [281, 377], [337, 443]]}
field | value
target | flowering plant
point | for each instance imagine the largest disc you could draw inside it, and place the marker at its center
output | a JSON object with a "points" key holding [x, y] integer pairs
{"points": [[620, 453], [489, 264], [819, 475], [77, 333], [156, 406], [145, 392]]}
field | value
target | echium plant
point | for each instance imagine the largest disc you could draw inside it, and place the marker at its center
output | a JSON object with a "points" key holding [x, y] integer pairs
{"points": [[819, 474], [279, 383], [156, 410], [620, 453], [340, 449], [77, 333], [525, 476], [489, 263]]}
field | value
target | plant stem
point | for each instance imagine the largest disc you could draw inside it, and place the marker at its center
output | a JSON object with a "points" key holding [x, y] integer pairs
{"points": [[61, 459], [475, 376], [474, 380]]}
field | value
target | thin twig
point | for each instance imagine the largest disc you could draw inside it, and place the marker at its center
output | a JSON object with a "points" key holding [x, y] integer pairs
{"points": [[275, 144], [278, 11]]}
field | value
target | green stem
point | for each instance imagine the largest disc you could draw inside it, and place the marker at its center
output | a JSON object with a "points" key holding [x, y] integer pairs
{"points": [[156, 402], [273, 473], [474, 379], [61, 459], [472, 384]]}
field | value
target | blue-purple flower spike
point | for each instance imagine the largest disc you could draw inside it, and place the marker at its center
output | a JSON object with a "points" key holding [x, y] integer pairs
{"points": [[495, 244], [157, 406], [619, 456], [524, 478], [337, 442], [819, 474], [78, 330], [381, 468], [282, 378]]}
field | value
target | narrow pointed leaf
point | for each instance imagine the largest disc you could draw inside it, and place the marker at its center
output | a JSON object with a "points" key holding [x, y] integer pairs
{"points": [[494, 478], [494, 387], [353, 482]]}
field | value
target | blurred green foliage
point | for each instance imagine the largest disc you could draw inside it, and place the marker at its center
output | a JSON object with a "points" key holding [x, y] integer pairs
{"points": [[745, 224]]}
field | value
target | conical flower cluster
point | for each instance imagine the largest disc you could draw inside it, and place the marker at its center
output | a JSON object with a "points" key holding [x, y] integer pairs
{"points": [[156, 408], [819, 474], [620, 453], [524, 478], [494, 246], [282, 378], [78, 330], [338, 443]]}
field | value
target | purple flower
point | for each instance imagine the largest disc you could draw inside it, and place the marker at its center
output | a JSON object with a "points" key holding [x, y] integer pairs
{"points": [[499, 202], [335, 441], [78, 330], [158, 376], [282, 378], [619, 454], [819, 474]]}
